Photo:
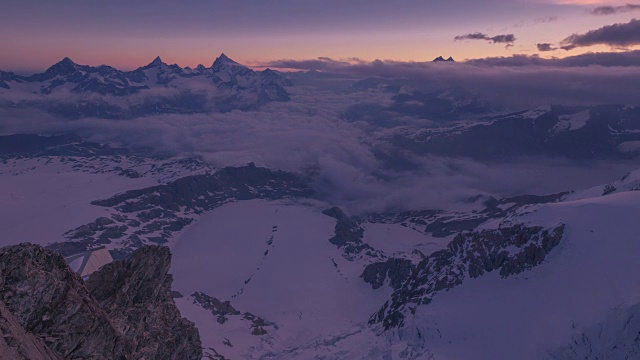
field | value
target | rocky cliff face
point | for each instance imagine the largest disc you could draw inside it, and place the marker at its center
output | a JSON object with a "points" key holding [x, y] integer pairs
{"points": [[48, 312], [16, 343], [508, 250], [136, 293]]}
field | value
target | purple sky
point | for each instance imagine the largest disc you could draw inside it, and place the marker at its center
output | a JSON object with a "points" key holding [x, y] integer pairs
{"points": [[126, 34]]}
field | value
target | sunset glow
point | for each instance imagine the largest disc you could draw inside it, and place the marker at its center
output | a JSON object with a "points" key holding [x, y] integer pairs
{"points": [[127, 35]]}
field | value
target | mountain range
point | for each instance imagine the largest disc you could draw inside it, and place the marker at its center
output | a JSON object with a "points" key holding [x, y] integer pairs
{"points": [[72, 90]]}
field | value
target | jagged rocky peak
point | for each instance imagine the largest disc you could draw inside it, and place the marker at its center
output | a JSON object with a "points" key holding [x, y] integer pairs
{"points": [[442, 59], [156, 63], [136, 293], [223, 60], [67, 61], [51, 302], [63, 67], [131, 317]]}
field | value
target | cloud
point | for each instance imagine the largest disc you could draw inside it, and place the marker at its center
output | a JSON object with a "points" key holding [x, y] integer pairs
{"points": [[518, 81], [605, 59], [545, 47], [545, 20], [507, 39], [318, 64], [620, 35], [611, 10], [350, 162], [343, 157]]}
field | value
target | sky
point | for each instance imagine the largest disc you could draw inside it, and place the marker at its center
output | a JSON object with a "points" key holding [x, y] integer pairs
{"points": [[126, 34]]}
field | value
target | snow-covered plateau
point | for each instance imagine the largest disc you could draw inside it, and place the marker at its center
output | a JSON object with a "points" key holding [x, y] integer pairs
{"points": [[267, 269]]}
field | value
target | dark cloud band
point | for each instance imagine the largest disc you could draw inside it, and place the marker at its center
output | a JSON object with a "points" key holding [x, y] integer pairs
{"points": [[546, 47], [616, 35], [507, 39], [611, 10]]}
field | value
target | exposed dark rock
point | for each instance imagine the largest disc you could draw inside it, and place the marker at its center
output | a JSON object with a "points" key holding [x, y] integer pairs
{"points": [[17, 344], [348, 236], [509, 250], [396, 270], [154, 214], [608, 189], [136, 293], [218, 308], [223, 310], [49, 300], [48, 312]]}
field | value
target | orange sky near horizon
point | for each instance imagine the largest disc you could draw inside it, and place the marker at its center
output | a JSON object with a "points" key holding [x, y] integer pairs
{"points": [[403, 38]]}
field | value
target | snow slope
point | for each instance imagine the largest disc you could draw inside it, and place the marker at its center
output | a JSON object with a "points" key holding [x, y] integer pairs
{"points": [[295, 295], [274, 260], [582, 284], [39, 204]]}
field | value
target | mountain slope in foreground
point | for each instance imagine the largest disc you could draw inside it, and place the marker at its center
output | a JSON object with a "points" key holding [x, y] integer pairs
{"points": [[267, 270], [124, 310]]}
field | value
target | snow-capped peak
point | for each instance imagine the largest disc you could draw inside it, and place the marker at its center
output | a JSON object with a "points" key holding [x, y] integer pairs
{"points": [[223, 60], [65, 66], [156, 62]]}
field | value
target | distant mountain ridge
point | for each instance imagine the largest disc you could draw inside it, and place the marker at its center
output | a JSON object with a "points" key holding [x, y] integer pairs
{"points": [[158, 86], [440, 58]]}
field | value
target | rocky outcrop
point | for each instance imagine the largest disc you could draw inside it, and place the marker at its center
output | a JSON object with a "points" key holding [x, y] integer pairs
{"points": [[397, 271], [17, 344], [223, 311], [155, 214], [47, 312], [136, 294], [508, 250], [349, 236], [49, 300]]}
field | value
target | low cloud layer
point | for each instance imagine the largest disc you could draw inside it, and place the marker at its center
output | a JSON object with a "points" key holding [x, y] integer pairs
{"points": [[507, 39], [611, 10], [516, 82], [604, 59], [617, 36], [342, 156], [352, 161]]}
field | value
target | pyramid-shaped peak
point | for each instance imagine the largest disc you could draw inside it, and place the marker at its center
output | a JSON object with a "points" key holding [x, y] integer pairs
{"points": [[157, 61], [64, 66], [66, 60], [441, 59], [223, 60]]}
